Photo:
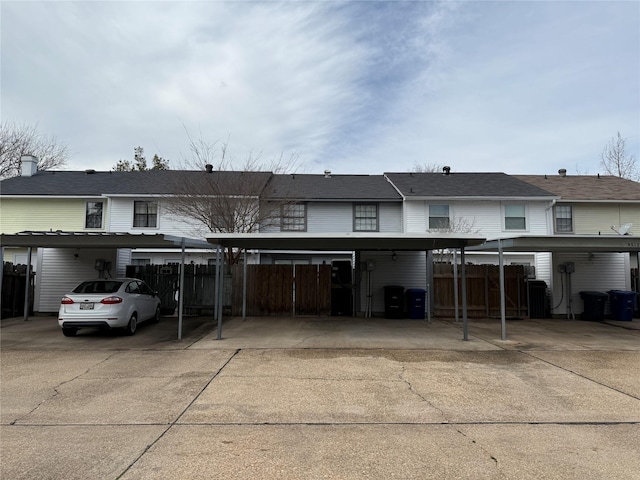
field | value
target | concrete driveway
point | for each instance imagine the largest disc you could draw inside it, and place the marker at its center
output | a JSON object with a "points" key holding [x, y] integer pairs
{"points": [[322, 398]]}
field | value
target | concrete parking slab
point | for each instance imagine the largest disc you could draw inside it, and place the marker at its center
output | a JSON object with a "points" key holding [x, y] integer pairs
{"points": [[315, 452], [72, 452], [96, 406]]}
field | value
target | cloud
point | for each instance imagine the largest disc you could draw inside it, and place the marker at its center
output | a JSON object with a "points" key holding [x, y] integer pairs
{"points": [[356, 87]]}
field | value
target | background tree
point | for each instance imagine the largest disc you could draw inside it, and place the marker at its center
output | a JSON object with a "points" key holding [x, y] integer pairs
{"points": [[17, 140], [615, 160], [213, 192], [139, 163], [427, 167]]}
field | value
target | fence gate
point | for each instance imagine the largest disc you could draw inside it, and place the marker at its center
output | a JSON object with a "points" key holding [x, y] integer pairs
{"points": [[281, 290]]}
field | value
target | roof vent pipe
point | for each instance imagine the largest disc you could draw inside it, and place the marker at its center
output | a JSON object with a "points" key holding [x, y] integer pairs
{"points": [[562, 172], [209, 168], [28, 165], [446, 170], [327, 174]]}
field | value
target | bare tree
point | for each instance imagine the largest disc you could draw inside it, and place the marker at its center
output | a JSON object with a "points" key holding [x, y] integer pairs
{"points": [[615, 160], [18, 140], [210, 192], [427, 167], [456, 225]]}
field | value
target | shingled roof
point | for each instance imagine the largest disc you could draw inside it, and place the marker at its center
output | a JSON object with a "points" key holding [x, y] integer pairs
{"points": [[151, 182], [586, 187], [460, 185], [331, 187]]}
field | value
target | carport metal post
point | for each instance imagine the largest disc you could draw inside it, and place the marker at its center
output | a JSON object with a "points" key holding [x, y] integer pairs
{"points": [[181, 292], [27, 285], [244, 286], [220, 294], [503, 321], [216, 285], [455, 286], [465, 321]]}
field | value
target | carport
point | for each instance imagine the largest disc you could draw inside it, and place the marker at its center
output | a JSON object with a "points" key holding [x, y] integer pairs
{"points": [[348, 242], [556, 244], [80, 240]]}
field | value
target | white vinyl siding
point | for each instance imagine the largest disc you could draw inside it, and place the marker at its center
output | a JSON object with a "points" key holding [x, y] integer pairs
{"points": [[408, 270], [600, 272], [59, 270]]}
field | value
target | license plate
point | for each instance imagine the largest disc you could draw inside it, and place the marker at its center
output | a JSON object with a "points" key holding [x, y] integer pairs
{"points": [[86, 306]]}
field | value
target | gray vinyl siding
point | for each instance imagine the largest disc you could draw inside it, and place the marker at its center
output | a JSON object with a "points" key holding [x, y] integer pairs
{"points": [[329, 217], [59, 271]]}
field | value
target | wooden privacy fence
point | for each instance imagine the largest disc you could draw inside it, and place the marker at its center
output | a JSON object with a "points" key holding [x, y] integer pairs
{"points": [[483, 290], [199, 286], [283, 290]]}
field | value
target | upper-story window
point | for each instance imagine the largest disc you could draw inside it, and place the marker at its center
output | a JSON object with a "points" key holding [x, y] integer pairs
{"points": [[145, 214], [515, 217], [439, 217], [93, 215], [365, 217], [564, 219], [294, 218]]}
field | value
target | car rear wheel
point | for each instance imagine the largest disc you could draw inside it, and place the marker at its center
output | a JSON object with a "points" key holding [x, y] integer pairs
{"points": [[156, 317], [69, 332], [132, 326]]}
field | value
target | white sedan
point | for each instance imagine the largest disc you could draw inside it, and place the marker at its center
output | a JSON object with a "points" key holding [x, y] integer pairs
{"points": [[108, 303]]}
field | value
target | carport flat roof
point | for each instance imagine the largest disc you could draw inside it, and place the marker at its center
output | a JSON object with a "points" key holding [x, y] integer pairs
{"points": [[60, 239], [344, 241], [563, 243]]}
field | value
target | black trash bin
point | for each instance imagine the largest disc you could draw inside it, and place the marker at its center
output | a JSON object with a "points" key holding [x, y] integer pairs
{"points": [[594, 303], [538, 299], [393, 301], [622, 304], [416, 303]]}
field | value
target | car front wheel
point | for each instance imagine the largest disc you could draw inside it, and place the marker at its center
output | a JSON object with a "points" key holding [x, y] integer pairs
{"points": [[69, 332], [132, 326]]}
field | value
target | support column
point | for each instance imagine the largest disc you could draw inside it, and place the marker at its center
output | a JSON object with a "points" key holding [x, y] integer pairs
{"points": [[465, 321], [503, 316], [181, 293], [27, 285]]}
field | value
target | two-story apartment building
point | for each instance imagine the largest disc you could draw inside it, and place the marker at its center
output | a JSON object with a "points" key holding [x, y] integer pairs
{"points": [[600, 205], [492, 205]]}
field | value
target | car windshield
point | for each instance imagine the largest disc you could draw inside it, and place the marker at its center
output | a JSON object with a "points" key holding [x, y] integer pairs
{"points": [[98, 286]]}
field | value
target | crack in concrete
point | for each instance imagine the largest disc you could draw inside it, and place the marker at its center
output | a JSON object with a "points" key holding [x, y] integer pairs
{"points": [[56, 392], [403, 378], [175, 421]]}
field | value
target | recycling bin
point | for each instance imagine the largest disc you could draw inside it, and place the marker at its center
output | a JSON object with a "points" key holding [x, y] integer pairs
{"points": [[594, 303], [622, 304], [416, 303], [393, 301]]}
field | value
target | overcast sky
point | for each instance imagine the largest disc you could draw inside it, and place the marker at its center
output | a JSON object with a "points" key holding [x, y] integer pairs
{"points": [[352, 87]]}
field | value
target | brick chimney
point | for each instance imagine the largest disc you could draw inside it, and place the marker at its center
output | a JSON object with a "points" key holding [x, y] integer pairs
{"points": [[29, 165]]}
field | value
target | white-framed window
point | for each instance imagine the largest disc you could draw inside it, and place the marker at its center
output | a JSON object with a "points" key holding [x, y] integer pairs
{"points": [[93, 215], [145, 214], [564, 218], [365, 217], [515, 217], [439, 217], [293, 218]]}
